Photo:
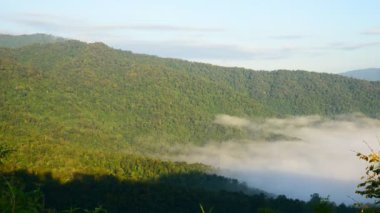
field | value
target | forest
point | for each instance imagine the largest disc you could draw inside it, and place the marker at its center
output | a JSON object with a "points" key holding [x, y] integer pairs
{"points": [[82, 126], [145, 185]]}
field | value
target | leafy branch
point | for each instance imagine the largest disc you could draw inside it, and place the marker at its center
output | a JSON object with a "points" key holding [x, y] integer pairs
{"points": [[370, 187]]}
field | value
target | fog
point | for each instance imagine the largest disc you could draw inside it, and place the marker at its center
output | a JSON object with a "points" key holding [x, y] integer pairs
{"points": [[307, 155]]}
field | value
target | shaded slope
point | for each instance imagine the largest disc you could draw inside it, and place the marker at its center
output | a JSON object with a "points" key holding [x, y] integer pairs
{"points": [[161, 195]]}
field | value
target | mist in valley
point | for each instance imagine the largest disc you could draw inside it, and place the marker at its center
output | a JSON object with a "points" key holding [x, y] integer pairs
{"points": [[294, 156]]}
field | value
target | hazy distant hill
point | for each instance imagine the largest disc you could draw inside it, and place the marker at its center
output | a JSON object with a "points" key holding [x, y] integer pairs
{"points": [[12, 41], [371, 74]]}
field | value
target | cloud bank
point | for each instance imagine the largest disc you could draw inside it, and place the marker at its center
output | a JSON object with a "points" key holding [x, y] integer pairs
{"points": [[310, 154], [60, 23]]}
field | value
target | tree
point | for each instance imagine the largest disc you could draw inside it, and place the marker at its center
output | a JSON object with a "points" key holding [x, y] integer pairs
{"points": [[4, 151], [370, 187], [321, 204]]}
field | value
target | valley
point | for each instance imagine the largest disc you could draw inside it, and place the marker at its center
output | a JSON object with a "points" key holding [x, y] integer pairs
{"points": [[140, 133]]}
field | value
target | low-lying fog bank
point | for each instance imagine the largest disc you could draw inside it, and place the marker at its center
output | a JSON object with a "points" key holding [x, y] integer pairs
{"points": [[312, 154]]}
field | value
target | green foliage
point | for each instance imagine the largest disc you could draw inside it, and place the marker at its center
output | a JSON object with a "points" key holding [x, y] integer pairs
{"points": [[4, 152], [14, 198], [203, 209], [265, 210], [84, 117], [91, 94], [321, 205], [12, 41], [115, 195], [370, 187]]}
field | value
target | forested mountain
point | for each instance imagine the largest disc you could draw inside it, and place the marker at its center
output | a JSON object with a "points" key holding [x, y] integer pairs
{"points": [[73, 91], [370, 74], [12, 41], [71, 108]]}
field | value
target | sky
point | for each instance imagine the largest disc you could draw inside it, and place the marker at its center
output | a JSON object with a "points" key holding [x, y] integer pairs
{"points": [[324, 36]]}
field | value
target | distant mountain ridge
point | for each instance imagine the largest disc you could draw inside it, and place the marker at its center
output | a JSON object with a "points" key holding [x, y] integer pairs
{"points": [[16, 41], [370, 74]]}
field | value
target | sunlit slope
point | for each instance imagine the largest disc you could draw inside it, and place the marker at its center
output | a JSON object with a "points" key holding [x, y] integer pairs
{"points": [[92, 94]]}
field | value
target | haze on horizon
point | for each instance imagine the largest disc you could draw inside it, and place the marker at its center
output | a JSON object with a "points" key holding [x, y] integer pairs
{"points": [[322, 36]]}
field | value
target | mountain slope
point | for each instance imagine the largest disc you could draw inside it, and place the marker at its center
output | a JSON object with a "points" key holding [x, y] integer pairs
{"points": [[84, 119], [90, 93], [371, 74], [12, 41]]}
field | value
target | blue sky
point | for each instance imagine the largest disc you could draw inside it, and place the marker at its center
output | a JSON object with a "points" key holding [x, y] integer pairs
{"points": [[323, 36]]}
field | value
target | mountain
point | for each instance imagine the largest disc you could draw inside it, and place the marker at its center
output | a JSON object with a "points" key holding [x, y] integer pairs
{"points": [[370, 74], [78, 92], [86, 123], [12, 41]]}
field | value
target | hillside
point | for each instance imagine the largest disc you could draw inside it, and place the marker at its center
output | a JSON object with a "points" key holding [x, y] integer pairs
{"points": [[12, 41], [370, 74], [86, 117], [78, 92]]}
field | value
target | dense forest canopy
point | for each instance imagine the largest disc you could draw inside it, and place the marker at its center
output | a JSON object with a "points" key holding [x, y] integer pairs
{"points": [[12, 41], [70, 89], [74, 111]]}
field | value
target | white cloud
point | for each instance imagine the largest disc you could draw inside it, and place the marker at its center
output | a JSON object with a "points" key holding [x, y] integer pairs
{"points": [[353, 46], [157, 27], [373, 31], [316, 156], [228, 120], [55, 22], [187, 49], [288, 37]]}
